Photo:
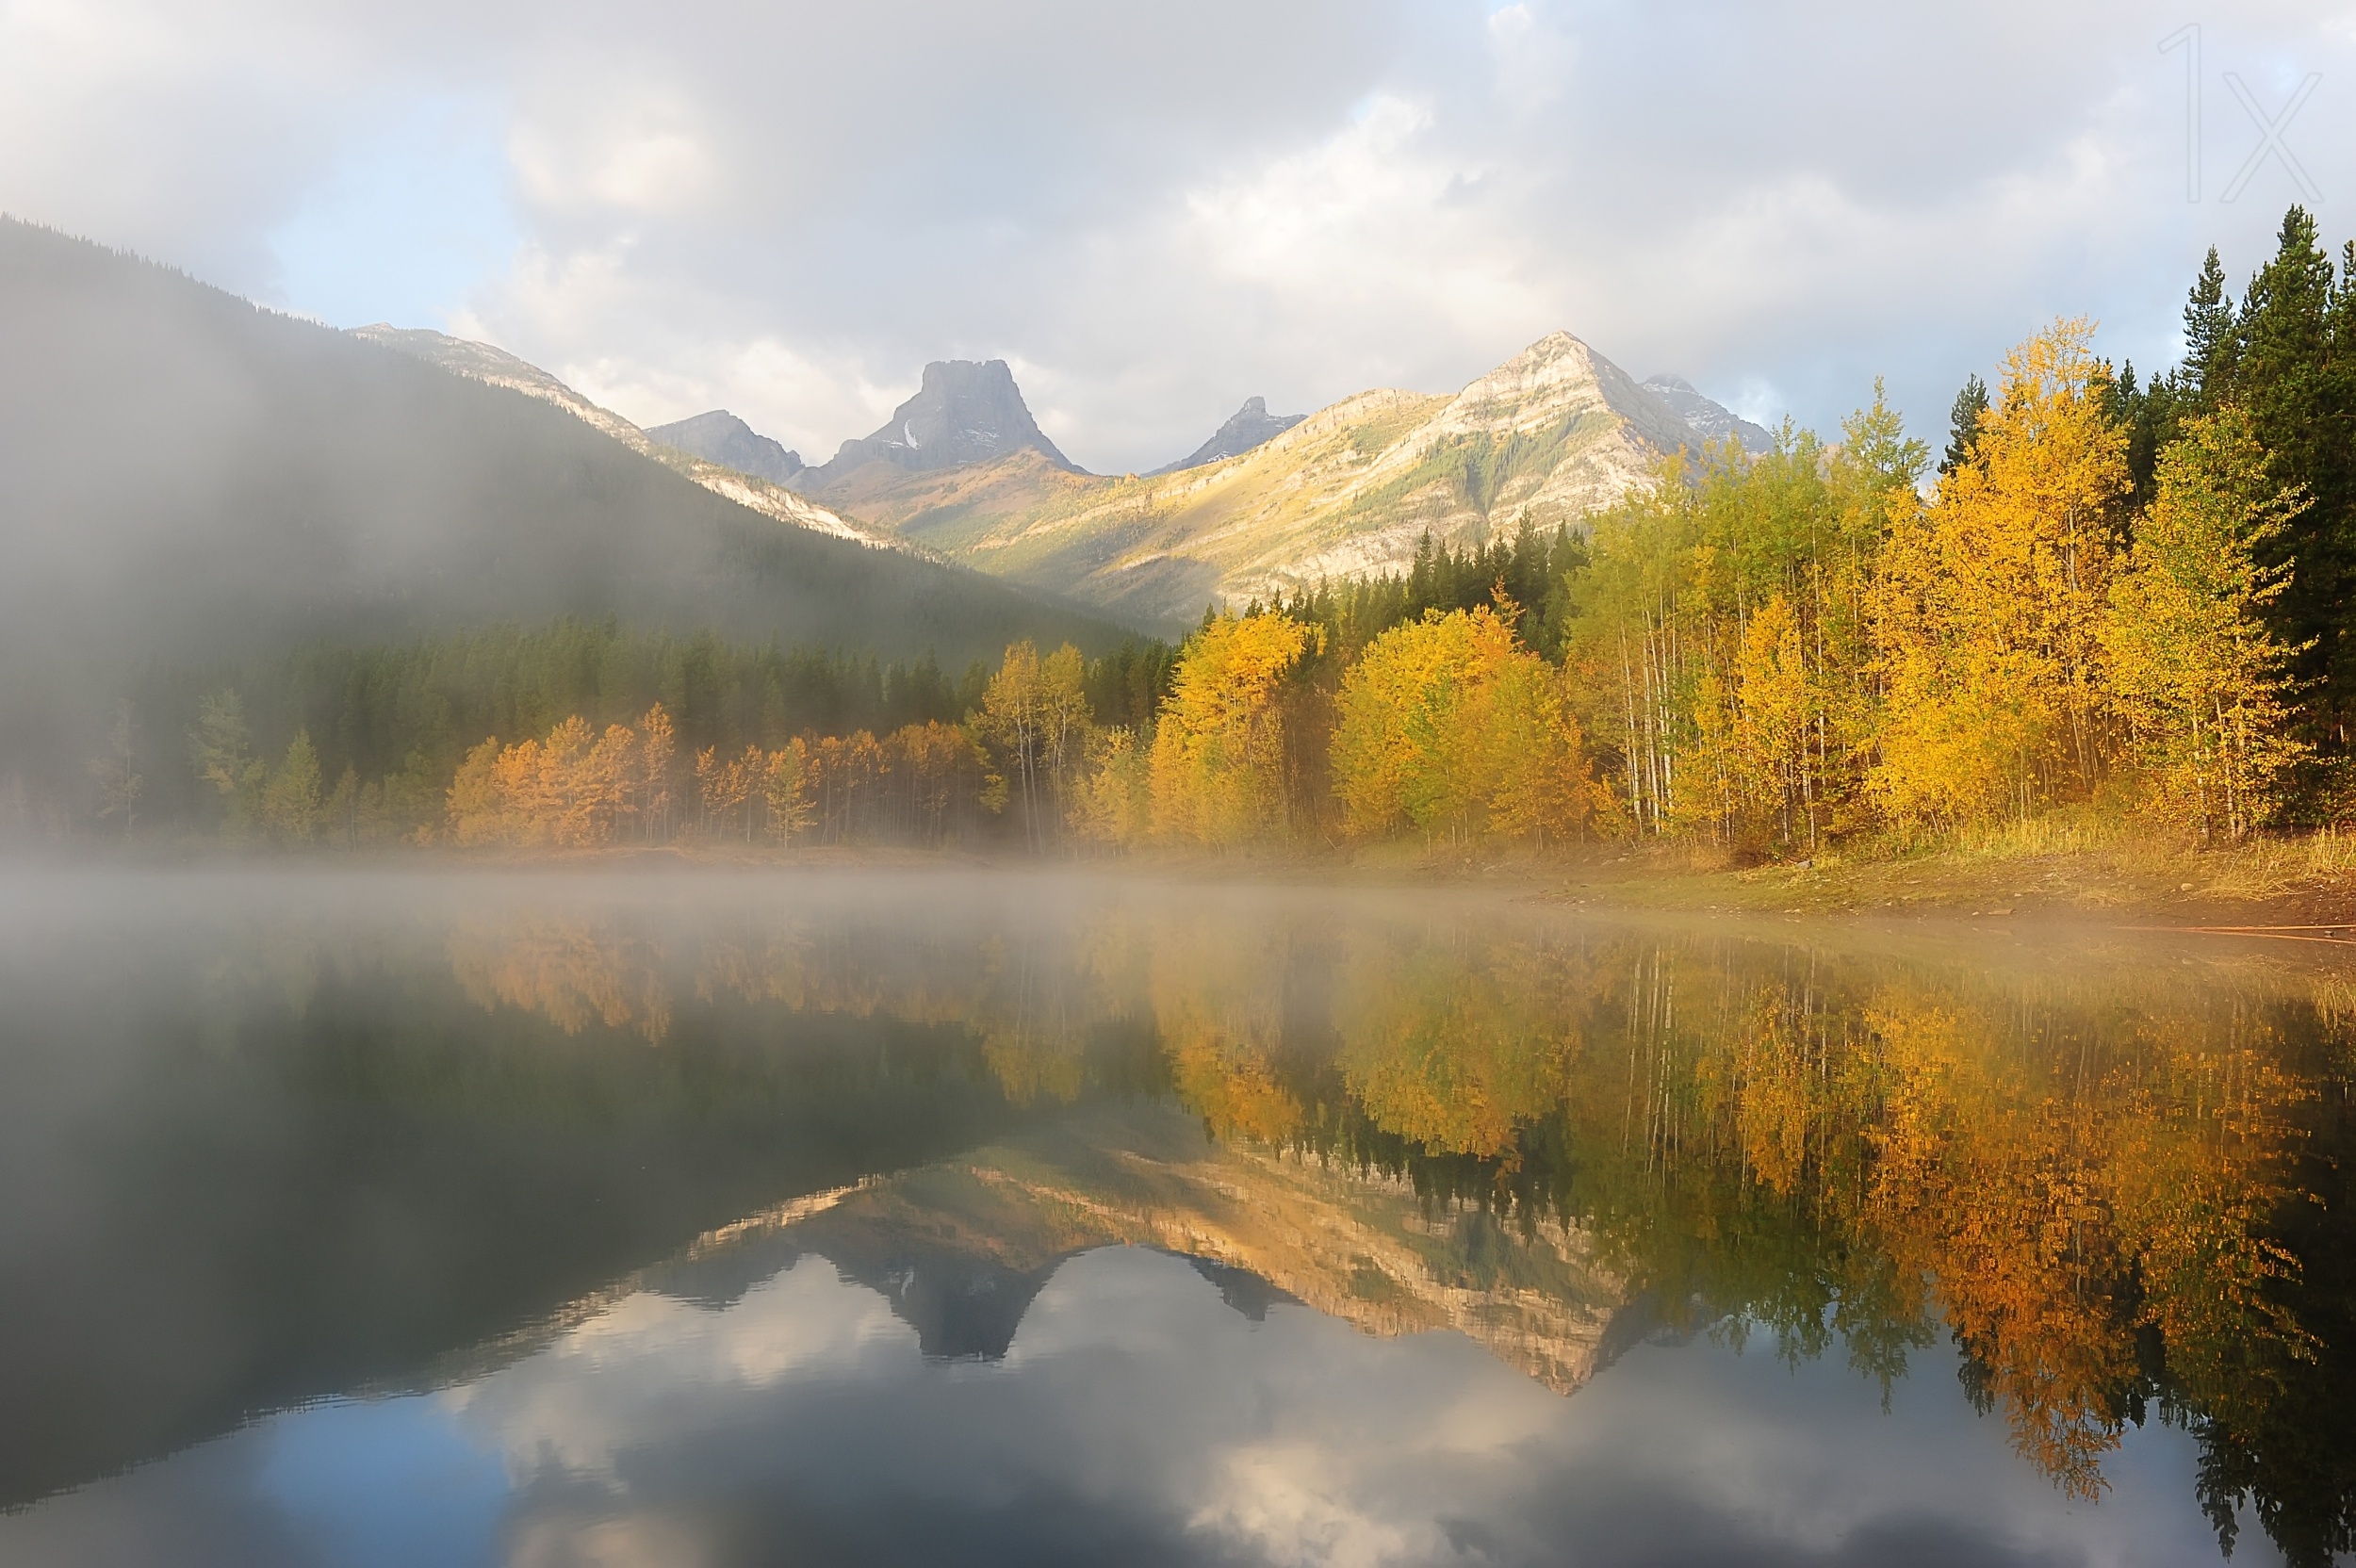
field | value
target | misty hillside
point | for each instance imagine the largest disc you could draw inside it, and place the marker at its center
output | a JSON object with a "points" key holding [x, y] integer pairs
{"points": [[186, 477]]}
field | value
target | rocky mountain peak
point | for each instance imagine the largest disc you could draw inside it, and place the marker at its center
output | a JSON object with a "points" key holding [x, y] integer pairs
{"points": [[1247, 428], [721, 437], [1556, 380], [965, 411], [1714, 421]]}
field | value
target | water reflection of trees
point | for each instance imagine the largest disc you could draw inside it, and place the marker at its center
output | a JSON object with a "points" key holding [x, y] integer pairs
{"points": [[2110, 1186]]}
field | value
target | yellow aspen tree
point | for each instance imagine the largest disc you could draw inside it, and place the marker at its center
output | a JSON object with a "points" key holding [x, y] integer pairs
{"points": [[474, 805], [658, 744], [1449, 726], [785, 791], [2196, 679], [1990, 602], [1114, 803], [1218, 769], [1775, 703], [521, 782], [566, 796], [610, 786], [710, 783]]}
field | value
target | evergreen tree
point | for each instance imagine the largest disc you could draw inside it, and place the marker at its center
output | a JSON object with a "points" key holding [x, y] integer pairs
{"points": [[1963, 442], [2290, 373], [2208, 335]]}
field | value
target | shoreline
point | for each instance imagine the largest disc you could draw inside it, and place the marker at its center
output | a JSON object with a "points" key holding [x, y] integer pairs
{"points": [[2292, 888]]}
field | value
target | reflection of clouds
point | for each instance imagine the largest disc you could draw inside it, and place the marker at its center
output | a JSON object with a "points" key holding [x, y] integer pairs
{"points": [[608, 1385], [1136, 1409], [1140, 1421]]}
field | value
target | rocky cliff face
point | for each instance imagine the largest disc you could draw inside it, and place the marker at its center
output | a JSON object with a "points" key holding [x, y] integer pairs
{"points": [[1554, 433], [1713, 421], [966, 411], [1247, 428], [721, 437]]}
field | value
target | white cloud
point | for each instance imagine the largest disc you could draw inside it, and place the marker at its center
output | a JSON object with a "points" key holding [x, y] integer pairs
{"points": [[787, 209], [1534, 61]]}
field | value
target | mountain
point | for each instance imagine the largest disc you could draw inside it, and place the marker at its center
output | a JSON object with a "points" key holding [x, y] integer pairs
{"points": [[1713, 422], [721, 437], [1248, 427], [1552, 435], [188, 479], [497, 367], [966, 411]]}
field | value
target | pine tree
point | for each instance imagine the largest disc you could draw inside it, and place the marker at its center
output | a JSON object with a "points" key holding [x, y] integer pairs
{"points": [[2208, 335], [1963, 442], [2292, 378]]}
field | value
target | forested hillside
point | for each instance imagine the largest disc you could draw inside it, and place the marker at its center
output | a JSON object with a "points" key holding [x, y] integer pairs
{"points": [[190, 481]]}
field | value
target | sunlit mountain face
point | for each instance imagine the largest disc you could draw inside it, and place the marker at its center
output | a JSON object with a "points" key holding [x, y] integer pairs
{"points": [[910, 1216]]}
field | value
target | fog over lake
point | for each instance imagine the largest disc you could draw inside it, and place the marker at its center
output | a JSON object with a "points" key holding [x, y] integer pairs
{"points": [[613, 1216]]}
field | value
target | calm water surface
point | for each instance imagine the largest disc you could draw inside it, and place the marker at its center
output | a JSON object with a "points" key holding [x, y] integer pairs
{"points": [[647, 1219]]}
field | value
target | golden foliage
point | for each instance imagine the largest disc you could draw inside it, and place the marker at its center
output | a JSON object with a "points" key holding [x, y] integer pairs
{"points": [[1218, 769], [1990, 604], [1450, 726], [2195, 676]]}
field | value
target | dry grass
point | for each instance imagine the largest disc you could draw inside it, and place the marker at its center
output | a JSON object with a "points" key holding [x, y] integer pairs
{"points": [[2057, 863]]}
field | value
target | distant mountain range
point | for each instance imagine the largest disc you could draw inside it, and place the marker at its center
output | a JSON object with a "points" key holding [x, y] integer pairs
{"points": [[183, 473], [1274, 503]]}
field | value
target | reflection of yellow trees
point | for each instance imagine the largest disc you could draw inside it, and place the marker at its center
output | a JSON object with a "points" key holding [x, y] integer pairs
{"points": [[2081, 1184], [1455, 1048], [2069, 1200], [2062, 1202], [1218, 989], [566, 971]]}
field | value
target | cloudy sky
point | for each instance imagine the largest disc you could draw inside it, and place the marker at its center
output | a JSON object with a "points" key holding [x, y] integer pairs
{"points": [[1154, 212]]}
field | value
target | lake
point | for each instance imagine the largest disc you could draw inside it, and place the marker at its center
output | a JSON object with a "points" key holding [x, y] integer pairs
{"points": [[900, 1216]]}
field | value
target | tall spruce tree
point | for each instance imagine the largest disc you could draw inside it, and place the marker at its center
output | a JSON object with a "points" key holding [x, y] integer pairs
{"points": [[1964, 440], [2208, 336], [2290, 349]]}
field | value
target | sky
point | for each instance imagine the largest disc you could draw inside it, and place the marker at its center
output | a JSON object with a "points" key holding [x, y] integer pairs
{"points": [[1154, 212]]}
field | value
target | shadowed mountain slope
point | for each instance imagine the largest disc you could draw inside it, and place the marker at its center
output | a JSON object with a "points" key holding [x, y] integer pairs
{"points": [[186, 477], [497, 367], [1552, 435]]}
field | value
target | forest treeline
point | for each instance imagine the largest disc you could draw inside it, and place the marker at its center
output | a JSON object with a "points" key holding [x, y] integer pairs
{"points": [[2109, 597]]}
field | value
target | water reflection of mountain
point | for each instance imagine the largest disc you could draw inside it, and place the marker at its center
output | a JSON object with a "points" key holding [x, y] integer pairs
{"points": [[960, 1247], [2096, 1167], [2107, 1180]]}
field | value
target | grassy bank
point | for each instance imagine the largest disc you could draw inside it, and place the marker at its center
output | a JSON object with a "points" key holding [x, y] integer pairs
{"points": [[2023, 869]]}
